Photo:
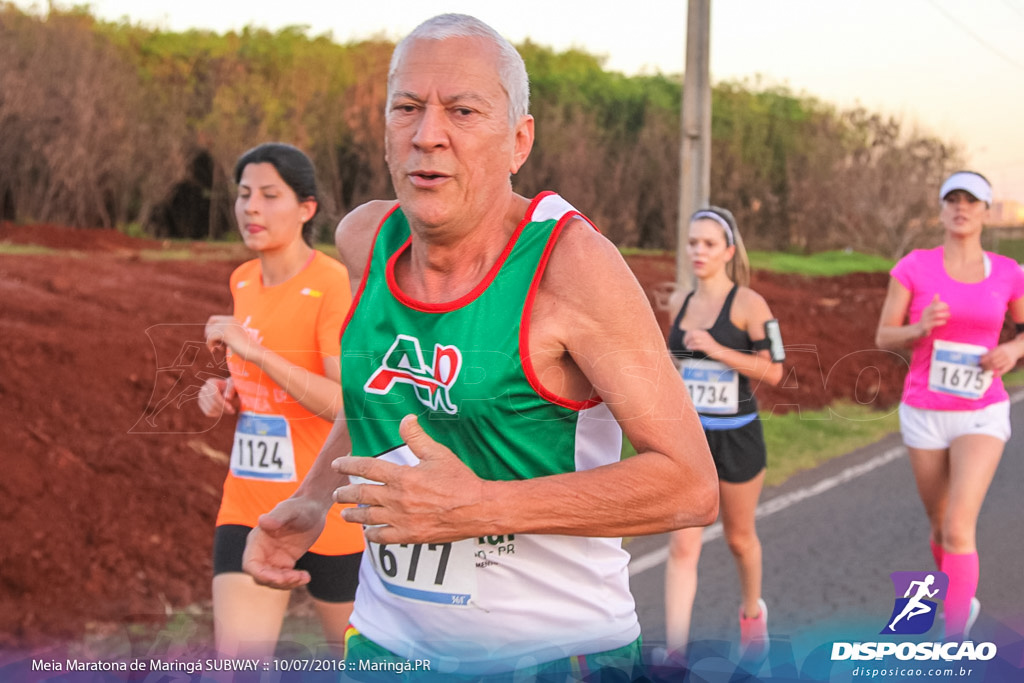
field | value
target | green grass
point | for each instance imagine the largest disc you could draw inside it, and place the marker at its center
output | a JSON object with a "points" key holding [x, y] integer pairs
{"points": [[328, 248], [11, 249], [172, 250], [1014, 248], [637, 251], [213, 251], [823, 264], [803, 440], [188, 254], [1013, 380], [826, 263]]}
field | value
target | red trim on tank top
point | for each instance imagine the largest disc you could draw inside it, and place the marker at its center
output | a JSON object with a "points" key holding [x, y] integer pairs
{"points": [[524, 324], [480, 288], [366, 271]]}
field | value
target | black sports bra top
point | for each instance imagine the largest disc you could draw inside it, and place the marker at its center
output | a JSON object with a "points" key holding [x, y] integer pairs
{"points": [[726, 334]]}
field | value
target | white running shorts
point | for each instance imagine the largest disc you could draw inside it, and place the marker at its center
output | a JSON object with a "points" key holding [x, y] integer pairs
{"points": [[936, 429]]}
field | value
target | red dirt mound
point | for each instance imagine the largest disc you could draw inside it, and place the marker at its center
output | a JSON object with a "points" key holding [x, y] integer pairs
{"points": [[112, 477], [110, 490]]}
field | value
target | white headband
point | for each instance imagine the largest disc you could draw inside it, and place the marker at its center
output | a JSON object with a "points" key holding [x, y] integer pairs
{"points": [[729, 238], [968, 182]]}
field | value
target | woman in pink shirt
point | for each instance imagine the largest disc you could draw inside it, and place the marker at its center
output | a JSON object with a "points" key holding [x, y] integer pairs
{"points": [[948, 305]]}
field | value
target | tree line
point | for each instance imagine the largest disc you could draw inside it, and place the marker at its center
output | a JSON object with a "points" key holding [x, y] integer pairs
{"points": [[111, 124]]}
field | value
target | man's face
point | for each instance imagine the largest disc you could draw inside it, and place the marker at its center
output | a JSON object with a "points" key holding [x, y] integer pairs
{"points": [[449, 144]]}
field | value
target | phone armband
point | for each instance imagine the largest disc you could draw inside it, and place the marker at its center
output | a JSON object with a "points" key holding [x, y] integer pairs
{"points": [[774, 336]]}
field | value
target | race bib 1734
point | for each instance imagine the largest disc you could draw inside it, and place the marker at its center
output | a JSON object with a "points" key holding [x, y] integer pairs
{"points": [[713, 386]]}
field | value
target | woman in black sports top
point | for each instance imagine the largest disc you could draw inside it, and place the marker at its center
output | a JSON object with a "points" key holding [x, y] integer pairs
{"points": [[723, 337]]}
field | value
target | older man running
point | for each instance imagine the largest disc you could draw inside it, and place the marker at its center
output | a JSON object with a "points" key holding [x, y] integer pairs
{"points": [[497, 348]]}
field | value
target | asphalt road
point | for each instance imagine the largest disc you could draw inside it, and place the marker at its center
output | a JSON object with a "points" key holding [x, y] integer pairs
{"points": [[831, 537]]}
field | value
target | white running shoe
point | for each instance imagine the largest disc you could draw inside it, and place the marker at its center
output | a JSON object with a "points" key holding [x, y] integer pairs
{"points": [[972, 616]]}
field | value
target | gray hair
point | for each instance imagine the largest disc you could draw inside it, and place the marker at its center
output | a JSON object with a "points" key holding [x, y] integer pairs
{"points": [[511, 69]]}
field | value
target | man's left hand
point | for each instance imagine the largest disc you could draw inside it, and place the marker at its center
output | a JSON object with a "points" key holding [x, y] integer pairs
{"points": [[433, 502]]}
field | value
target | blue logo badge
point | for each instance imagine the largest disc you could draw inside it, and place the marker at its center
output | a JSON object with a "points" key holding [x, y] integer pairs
{"points": [[916, 604]]}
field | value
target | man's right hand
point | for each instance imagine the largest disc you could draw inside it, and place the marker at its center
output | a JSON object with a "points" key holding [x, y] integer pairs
{"points": [[282, 536]]}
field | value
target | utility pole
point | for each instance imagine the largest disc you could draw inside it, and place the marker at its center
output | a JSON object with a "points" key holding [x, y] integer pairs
{"points": [[695, 181]]}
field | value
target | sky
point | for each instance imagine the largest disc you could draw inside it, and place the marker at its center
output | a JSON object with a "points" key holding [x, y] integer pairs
{"points": [[951, 68]]}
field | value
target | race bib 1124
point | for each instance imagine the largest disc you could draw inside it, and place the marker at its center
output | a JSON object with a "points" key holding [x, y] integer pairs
{"points": [[263, 448]]}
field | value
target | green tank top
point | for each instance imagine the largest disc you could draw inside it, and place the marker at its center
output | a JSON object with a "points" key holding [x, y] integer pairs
{"points": [[484, 602], [459, 365]]}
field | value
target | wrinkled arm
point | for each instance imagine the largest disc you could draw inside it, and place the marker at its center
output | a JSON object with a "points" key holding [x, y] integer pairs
{"points": [[615, 341]]}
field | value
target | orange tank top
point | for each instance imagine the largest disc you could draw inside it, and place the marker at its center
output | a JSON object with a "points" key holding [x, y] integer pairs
{"points": [[276, 439]]}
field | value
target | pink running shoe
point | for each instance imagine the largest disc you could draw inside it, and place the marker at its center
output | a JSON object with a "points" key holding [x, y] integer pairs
{"points": [[754, 635]]}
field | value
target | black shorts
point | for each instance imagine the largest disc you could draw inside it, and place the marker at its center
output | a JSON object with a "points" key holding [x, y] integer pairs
{"points": [[739, 453], [333, 578]]}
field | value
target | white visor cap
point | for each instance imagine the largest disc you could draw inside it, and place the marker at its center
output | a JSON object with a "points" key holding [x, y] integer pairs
{"points": [[968, 182]]}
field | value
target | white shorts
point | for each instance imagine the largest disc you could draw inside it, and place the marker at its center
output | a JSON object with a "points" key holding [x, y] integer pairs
{"points": [[936, 429]]}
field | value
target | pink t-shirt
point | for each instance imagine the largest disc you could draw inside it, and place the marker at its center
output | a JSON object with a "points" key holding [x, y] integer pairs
{"points": [[977, 311]]}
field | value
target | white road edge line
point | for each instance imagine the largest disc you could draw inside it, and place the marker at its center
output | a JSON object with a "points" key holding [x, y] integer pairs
{"points": [[639, 565]]}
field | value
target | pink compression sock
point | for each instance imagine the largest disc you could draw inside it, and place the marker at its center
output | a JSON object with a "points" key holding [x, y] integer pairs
{"points": [[962, 570], [936, 553]]}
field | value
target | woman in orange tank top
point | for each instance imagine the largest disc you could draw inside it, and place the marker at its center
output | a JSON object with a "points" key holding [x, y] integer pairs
{"points": [[282, 350]]}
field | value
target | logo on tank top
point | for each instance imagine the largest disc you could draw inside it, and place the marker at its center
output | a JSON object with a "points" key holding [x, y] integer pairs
{"points": [[404, 364]]}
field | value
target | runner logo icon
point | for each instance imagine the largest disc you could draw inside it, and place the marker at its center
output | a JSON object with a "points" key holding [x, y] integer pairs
{"points": [[404, 363], [916, 596]]}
